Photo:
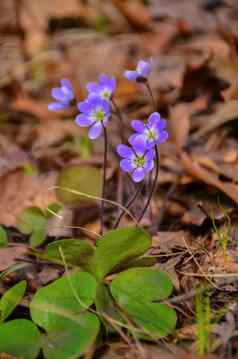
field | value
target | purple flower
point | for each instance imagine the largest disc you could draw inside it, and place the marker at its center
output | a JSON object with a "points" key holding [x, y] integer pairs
{"points": [[141, 73], [137, 159], [151, 133], [104, 88], [94, 114], [63, 95]]}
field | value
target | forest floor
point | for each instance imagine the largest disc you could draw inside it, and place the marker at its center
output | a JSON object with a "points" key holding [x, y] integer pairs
{"points": [[193, 218]]}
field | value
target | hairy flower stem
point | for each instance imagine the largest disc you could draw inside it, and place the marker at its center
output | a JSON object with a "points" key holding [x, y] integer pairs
{"points": [[153, 187], [128, 205], [147, 85], [103, 179]]}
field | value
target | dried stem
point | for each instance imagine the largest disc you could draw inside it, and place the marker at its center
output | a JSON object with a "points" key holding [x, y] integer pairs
{"points": [[103, 178]]}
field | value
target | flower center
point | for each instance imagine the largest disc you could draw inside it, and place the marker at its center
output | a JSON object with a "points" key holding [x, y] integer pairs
{"points": [[139, 161], [99, 115], [151, 135], [106, 94]]}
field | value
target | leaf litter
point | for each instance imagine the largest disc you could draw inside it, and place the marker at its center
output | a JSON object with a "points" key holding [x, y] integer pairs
{"points": [[194, 51]]}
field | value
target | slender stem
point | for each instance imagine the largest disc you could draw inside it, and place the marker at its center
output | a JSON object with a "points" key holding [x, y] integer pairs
{"points": [[103, 178], [153, 187], [151, 95], [128, 205]]}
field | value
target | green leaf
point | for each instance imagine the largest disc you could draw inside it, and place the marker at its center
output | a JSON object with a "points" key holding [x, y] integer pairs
{"points": [[105, 304], [11, 299], [20, 338], [3, 237], [31, 219], [76, 252], [136, 289], [37, 237], [65, 298], [156, 284], [156, 320], [60, 308], [72, 338], [117, 246], [83, 179], [145, 261]]}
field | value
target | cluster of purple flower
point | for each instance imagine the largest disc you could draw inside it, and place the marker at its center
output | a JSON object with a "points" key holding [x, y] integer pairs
{"points": [[138, 158]]}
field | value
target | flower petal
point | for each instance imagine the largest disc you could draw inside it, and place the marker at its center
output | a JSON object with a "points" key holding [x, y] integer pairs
{"points": [[131, 75], [163, 136], [103, 80], [83, 121], [162, 124], [138, 175], [59, 95], [143, 68], [138, 126], [92, 87], [66, 83], [132, 138], [126, 165], [113, 84], [84, 106], [154, 119], [149, 166], [95, 131], [55, 106], [139, 144], [150, 155], [124, 151], [106, 107]]}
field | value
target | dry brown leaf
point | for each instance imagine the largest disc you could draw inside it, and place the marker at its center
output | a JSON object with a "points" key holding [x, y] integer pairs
{"points": [[192, 14], [19, 191], [124, 351], [37, 108], [227, 112], [200, 173], [9, 256], [166, 241], [179, 124], [135, 12]]}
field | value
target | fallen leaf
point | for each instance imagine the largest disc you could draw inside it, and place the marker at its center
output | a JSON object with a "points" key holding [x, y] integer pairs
{"points": [[227, 112], [135, 12], [200, 173], [10, 255], [20, 191]]}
